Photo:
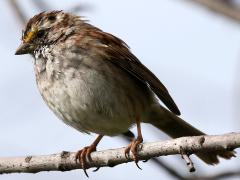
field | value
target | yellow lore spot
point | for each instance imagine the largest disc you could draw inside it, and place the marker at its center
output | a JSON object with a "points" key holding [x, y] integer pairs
{"points": [[30, 35]]}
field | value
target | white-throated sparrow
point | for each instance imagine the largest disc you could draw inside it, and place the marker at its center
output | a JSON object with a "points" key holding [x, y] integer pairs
{"points": [[92, 81]]}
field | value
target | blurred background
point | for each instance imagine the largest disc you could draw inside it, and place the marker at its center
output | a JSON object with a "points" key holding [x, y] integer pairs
{"points": [[194, 50]]}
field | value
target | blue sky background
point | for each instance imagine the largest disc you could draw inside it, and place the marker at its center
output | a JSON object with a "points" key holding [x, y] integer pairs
{"points": [[195, 53]]}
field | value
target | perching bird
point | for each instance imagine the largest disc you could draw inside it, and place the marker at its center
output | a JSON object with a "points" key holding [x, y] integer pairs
{"points": [[92, 82]]}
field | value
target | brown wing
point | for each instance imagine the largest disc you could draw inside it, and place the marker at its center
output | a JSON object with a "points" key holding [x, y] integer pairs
{"points": [[116, 51]]}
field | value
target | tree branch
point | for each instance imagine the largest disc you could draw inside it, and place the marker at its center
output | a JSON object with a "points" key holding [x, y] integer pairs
{"points": [[162, 165], [218, 176], [65, 161], [18, 11], [221, 7], [41, 5]]}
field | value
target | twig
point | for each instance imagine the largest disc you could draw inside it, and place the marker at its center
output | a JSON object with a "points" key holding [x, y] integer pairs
{"points": [[228, 174], [161, 164], [66, 160], [189, 162], [80, 8], [220, 7], [41, 5], [187, 159], [171, 171], [19, 13]]}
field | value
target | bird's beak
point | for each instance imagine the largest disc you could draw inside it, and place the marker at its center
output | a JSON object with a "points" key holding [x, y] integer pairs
{"points": [[24, 48]]}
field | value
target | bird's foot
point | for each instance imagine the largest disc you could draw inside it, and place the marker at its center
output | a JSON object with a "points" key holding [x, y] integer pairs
{"points": [[133, 148], [83, 155]]}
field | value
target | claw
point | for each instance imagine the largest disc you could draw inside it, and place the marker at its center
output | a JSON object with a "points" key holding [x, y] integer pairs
{"points": [[95, 170], [138, 166], [127, 150], [85, 154], [89, 151], [81, 156], [145, 160], [85, 172], [133, 147]]}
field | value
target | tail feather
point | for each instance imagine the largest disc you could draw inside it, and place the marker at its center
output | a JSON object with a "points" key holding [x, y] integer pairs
{"points": [[176, 127]]}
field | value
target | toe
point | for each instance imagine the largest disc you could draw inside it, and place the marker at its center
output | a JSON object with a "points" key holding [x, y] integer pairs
{"points": [[90, 149], [127, 150], [78, 156], [134, 149]]}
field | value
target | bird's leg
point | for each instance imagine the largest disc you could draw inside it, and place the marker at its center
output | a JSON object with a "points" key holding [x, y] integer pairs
{"points": [[133, 146], [84, 154]]}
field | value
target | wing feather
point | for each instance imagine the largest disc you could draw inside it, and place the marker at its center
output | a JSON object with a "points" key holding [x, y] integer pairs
{"points": [[116, 51]]}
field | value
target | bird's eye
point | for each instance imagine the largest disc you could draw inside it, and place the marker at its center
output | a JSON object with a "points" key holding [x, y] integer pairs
{"points": [[52, 18], [40, 33]]}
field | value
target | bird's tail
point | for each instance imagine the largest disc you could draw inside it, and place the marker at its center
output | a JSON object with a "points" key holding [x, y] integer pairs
{"points": [[176, 127]]}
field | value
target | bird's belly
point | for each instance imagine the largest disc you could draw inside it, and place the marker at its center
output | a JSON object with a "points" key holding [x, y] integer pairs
{"points": [[97, 102]]}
